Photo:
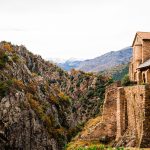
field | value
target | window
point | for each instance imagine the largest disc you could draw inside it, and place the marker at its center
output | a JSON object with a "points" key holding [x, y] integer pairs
{"points": [[144, 79]]}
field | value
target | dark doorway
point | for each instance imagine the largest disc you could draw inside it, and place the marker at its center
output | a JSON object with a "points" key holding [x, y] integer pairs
{"points": [[144, 79]]}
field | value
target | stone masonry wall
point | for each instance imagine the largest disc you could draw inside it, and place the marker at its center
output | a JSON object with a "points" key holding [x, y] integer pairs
{"points": [[133, 105], [146, 50], [109, 110], [145, 141], [126, 117]]}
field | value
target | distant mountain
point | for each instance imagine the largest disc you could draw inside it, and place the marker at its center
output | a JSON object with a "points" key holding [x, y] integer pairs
{"points": [[106, 61], [69, 64], [101, 63]]}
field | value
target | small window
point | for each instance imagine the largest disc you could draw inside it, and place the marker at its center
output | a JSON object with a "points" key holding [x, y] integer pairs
{"points": [[144, 79]]}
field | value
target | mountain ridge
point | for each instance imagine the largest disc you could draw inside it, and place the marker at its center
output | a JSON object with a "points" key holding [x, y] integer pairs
{"points": [[100, 63]]}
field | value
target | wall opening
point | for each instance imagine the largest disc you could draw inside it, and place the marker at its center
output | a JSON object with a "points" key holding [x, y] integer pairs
{"points": [[144, 78]]}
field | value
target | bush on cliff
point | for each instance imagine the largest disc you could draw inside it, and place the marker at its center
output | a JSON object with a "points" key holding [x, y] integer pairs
{"points": [[3, 58], [125, 81], [5, 87]]}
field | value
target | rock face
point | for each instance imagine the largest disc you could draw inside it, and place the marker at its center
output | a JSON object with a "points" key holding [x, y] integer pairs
{"points": [[20, 127], [42, 106]]}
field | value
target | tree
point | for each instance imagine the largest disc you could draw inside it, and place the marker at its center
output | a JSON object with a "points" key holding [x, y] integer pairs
{"points": [[125, 81]]}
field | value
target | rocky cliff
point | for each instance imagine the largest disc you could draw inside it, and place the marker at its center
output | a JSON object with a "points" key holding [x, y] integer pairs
{"points": [[42, 106]]}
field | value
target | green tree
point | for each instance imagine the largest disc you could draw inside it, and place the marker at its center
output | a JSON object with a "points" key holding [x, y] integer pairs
{"points": [[125, 81]]}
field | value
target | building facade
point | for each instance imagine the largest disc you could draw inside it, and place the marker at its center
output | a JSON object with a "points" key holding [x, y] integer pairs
{"points": [[139, 69]]}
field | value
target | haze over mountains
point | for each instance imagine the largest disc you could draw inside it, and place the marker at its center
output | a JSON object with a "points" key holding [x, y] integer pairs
{"points": [[101, 63]]}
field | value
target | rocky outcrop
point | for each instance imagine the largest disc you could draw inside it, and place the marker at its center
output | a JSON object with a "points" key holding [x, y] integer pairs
{"points": [[42, 106], [20, 127]]}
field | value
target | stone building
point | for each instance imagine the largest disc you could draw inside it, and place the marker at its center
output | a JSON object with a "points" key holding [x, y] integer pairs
{"points": [[133, 102], [125, 120], [126, 115], [139, 70]]}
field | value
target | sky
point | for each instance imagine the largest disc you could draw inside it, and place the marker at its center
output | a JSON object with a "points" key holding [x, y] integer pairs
{"points": [[81, 29]]}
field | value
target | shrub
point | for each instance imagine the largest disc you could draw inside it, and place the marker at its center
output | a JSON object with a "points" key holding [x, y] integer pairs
{"points": [[32, 87], [15, 58], [71, 78], [110, 81], [5, 87], [37, 107], [3, 58], [125, 81], [90, 92], [52, 81], [61, 72], [53, 99], [7, 47], [72, 132], [63, 97], [71, 89], [18, 84], [43, 89]]}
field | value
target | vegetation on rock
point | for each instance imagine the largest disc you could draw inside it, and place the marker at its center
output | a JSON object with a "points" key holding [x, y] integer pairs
{"points": [[117, 72], [44, 101], [125, 81]]}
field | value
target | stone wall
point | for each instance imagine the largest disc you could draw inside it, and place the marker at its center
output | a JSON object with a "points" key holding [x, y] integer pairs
{"points": [[121, 113], [145, 141], [133, 105], [125, 120], [145, 50], [110, 109]]}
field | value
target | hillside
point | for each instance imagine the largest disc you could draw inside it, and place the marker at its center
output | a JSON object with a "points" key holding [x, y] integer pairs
{"points": [[117, 72], [101, 63], [42, 106]]}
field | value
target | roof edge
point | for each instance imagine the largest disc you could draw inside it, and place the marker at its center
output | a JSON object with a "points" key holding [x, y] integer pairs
{"points": [[134, 39], [138, 34]]}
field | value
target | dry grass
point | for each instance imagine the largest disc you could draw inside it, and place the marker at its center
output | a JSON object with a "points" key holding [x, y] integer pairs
{"points": [[80, 143], [89, 127], [95, 145]]}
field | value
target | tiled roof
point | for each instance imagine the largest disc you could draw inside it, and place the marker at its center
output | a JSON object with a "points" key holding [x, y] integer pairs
{"points": [[144, 35], [145, 64]]}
